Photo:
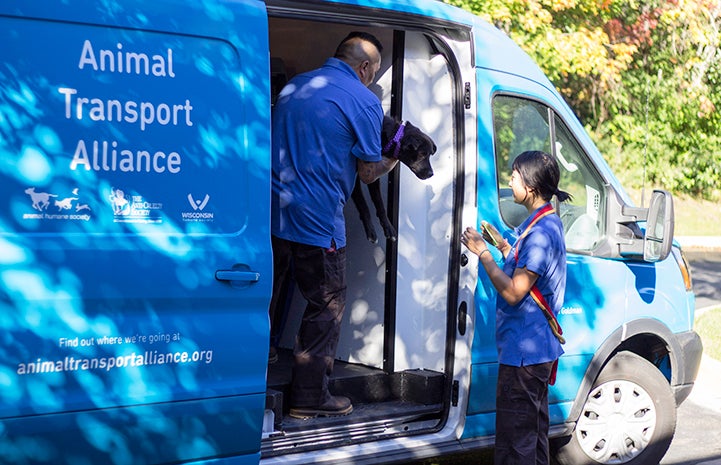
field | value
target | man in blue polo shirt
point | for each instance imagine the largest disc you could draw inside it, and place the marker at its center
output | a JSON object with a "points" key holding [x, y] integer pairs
{"points": [[326, 127]]}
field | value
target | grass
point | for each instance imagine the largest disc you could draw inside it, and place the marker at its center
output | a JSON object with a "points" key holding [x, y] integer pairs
{"points": [[694, 217], [708, 326]]}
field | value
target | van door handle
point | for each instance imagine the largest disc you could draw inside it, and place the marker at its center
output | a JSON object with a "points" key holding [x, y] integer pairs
{"points": [[228, 275], [239, 275]]}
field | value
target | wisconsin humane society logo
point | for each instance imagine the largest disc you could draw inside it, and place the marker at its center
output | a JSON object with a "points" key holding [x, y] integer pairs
{"points": [[198, 213]]}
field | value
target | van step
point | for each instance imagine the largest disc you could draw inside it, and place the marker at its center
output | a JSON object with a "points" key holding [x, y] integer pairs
{"points": [[422, 386], [386, 412], [362, 384], [367, 421]]}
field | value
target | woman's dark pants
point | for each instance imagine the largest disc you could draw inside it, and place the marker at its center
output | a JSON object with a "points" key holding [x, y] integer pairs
{"points": [[522, 419]]}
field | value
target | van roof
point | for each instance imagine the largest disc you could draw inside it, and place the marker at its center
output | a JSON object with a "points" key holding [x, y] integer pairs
{"points": [[493, 49]]}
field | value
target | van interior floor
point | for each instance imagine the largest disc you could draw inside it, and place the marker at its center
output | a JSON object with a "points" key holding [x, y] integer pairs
{"points": [[378, 397]]}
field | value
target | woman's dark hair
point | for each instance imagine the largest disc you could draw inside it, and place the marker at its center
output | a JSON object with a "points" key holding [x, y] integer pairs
{"points": [[540, 172]]}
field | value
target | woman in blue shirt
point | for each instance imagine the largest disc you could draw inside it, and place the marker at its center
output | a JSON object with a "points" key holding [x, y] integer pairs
{"points": [[528, 338]]}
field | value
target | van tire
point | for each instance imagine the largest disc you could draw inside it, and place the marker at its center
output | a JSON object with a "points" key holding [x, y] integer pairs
{"points": [[638, 437]]}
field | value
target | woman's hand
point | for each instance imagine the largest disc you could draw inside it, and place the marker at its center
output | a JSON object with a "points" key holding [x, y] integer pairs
{"points": [[491, 234], [473, 240], [511, 288]]}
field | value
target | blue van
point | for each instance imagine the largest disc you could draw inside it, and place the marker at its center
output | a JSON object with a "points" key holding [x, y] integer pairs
{"points": [[135, 257]]}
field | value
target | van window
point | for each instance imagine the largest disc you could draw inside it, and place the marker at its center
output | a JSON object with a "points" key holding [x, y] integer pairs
{"points": [[521, 125], [581, 215]]}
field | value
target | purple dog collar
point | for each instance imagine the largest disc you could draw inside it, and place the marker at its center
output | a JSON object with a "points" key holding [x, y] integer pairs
{"points": [[396, 141]]}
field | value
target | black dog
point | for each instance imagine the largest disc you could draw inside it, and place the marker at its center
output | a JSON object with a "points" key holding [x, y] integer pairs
{"points": [[410, 146]]}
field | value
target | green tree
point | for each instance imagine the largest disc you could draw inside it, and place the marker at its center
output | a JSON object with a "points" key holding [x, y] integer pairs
{"points": [[640, 75]]}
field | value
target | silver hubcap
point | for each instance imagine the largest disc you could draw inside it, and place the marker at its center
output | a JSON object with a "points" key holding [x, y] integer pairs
{"points": [[617, 422]]}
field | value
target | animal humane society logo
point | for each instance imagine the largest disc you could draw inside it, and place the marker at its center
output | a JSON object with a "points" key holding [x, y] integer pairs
{"points": [[55, 207]]}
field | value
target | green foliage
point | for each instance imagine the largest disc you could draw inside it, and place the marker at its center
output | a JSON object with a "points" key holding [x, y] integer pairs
{"points": [[641, 76], [708, 326]]}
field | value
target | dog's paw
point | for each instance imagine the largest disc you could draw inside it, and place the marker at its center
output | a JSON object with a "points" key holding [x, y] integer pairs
{"points": [[370, 232], [390, 232]]}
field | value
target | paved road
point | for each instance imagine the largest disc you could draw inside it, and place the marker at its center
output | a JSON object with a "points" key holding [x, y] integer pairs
{"points": [[698, 435], [698, 431], [706, 273]]}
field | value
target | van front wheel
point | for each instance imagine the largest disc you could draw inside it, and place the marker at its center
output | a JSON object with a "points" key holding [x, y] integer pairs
{"points": [[629, 417]]}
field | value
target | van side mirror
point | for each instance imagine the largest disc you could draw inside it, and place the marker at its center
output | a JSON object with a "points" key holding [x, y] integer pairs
{"points": [[659, 227], [627, 239]]}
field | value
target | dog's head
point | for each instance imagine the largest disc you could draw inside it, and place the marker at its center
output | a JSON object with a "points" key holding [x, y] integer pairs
{"points": [[415, 149]]}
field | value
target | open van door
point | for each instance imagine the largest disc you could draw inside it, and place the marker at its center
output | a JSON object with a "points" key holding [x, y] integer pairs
{"points": [[135, 263]]}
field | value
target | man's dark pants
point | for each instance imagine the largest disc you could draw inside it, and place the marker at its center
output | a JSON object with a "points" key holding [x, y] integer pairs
{"points": [[522, 419], [321, 277]]}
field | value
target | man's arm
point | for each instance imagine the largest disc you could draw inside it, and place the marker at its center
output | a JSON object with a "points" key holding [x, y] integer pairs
{"points": [[369, 171]]}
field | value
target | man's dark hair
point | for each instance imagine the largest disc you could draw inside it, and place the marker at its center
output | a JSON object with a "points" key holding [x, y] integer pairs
{"points": [[342, 50]]}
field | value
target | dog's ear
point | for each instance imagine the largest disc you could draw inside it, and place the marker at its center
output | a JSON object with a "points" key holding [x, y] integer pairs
{"points": [[411, 142], [417, 141]]}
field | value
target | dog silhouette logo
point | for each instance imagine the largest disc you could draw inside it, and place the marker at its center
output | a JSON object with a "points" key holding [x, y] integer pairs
{"points": [[66, 203], [41, 200]]}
